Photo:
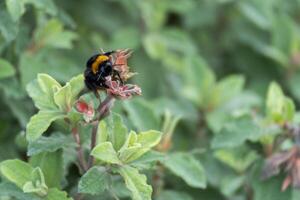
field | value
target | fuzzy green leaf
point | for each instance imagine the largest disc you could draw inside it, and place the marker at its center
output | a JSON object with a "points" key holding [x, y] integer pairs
{"points": [[149, 138], [188, 168], [55, 194], [48, 84], [49, 144], [102, 132], [132, 153], [148, 158], [11, 190], [136, 183], [16, 8], [52, 34], [278, 107], [106, 153], [229, 87], [117, 131], [51, 164], [174, 195], [42, 90], [142, 115], [40, 99], [37, 184], [94, 181], [137, 145], [77, 85], [40, 122], [62, 98], [237, 158], [6, 69], [237, 132], [16, 171]]}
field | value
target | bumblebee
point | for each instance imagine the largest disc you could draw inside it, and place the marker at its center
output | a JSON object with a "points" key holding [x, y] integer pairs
{"points": [[98, 67]]}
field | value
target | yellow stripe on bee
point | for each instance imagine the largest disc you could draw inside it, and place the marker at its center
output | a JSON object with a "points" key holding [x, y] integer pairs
{"points": [[100, 59]]}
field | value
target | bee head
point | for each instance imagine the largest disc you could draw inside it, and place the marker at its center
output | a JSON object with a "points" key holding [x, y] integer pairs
{"points": [[95, 61]]}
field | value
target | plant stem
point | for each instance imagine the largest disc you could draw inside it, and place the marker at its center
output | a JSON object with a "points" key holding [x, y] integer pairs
{"points": [[93, 144], [103, 110], [81, 159]]}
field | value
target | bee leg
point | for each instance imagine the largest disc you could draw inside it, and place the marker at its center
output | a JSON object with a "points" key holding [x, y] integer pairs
{"points": [[118, 74], [97, 96]]}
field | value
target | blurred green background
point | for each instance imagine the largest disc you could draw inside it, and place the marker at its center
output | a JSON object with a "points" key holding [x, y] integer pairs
{"points": [[204, 61]]}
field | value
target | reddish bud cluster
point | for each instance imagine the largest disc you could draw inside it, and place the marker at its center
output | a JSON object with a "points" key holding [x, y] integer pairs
{"points": [[86, 109]]}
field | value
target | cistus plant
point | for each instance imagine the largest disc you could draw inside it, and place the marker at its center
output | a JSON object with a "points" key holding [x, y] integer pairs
{"points": [[113, 150], [220, 85]]}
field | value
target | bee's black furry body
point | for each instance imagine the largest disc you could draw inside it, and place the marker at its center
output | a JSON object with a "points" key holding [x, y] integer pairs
{"points": [[97, 71]]}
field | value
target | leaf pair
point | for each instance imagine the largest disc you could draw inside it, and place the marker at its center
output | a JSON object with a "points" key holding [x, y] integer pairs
{"points": [[134, 147], [53, 100], [29, 179]]}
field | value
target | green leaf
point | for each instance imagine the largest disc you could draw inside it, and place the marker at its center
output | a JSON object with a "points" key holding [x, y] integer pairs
{"points": [[8, 27], [293, 85], [254, 15], [62, 98], [40, 122], [29, 187], [94, 181], [16, 171], [136, 183], [117, 131], [237, 158], [49, 144], [141, 115], [132, 153], [6, 69], [55, 194], [37, 184], [40, 98], [174, 195], [42, 91], [77, 85], [149, 138], [275, 99], [52, 34], [236, 132], [102, 132], [229, 87], [119, 188], [188, 168], [148, 158], [44, 5], [289, 109], [200, 82], [278, 107], [11, 190], [16, 8], [106, 153], [137, 145], [48, 84], [296, 194], [130, 140], [51, 164]]}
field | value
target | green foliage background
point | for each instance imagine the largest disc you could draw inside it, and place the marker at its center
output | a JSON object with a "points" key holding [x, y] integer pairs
{"points": [[206, 63]]}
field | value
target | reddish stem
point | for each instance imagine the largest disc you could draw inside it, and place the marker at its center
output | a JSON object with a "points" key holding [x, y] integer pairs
{"points": [[103, 110], [81, 159]]}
